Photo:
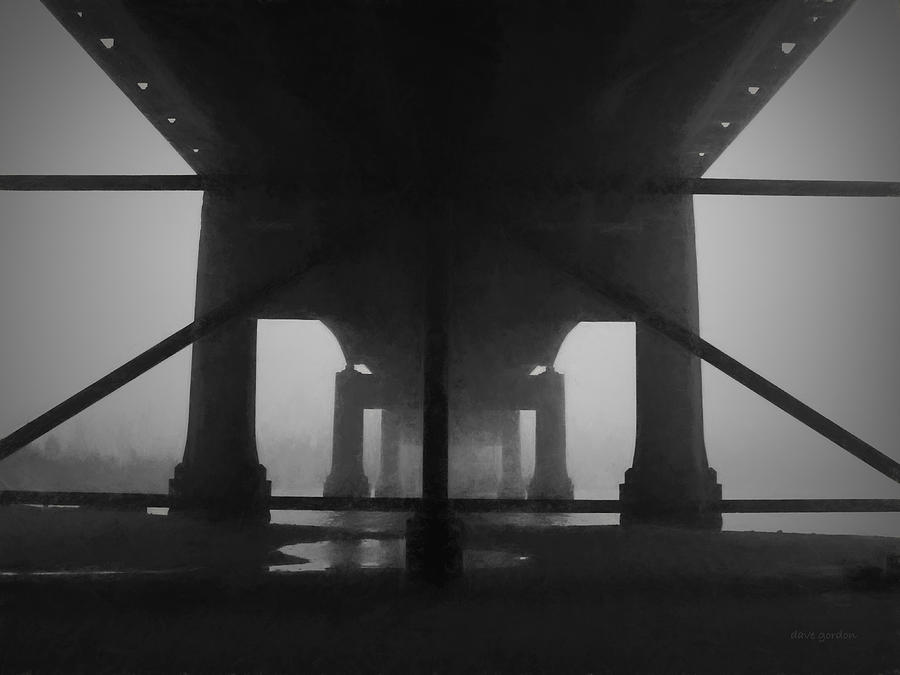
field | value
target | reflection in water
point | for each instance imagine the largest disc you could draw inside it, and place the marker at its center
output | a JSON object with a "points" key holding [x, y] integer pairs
{"points": [[364, 521], [389, 553], [363, 553], [377, 554]]}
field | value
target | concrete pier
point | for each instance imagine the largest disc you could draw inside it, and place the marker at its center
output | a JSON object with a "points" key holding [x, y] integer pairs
{"points": [[348, 477], [434, 536], [220, 476], [551, 477], [670, 480]]}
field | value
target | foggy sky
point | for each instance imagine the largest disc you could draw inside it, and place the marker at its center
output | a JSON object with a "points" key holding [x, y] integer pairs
{"points": [[803, 290]]}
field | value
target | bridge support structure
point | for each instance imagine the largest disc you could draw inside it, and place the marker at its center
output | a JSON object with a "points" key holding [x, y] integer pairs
{"points": [[551, 477], [220, 476], [434, 535], [670, 480], [353, 393]]}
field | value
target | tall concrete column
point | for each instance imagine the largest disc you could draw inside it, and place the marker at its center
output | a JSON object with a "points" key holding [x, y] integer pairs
{"points": [[220, 475], [348, 477], [551, 475], [670, 480], [433, 534], [512, 486], [389, 482]]}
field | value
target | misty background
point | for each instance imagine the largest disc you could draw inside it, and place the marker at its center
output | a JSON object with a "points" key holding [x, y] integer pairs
{"points": [[803, 290]]}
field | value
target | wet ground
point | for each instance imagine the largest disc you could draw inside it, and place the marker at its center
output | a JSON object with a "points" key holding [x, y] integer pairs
{"points": [[110, 592]]}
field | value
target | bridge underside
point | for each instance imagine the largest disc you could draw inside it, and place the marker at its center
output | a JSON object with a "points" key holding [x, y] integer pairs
{"points": [[372, 123], [426, 141]]}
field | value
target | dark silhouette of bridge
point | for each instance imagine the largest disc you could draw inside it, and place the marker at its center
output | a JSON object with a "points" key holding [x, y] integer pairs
{"points": [[450, 187]]}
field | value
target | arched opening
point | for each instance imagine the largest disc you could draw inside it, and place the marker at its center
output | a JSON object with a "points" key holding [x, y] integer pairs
{"points": [[296, 363], [598, 361]]}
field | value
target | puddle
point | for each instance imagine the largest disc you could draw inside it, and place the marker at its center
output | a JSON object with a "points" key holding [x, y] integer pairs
{"points": [[359, 554], [377, 554]]}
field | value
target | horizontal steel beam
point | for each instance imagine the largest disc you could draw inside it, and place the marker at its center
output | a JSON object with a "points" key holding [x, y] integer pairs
{"points": [[697, 186], [809, 506], [791, 188], [103, 183], [129, 500]]}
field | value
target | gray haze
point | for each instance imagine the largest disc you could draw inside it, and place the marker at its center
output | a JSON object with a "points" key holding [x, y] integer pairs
{"points": [[803, 290]]}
